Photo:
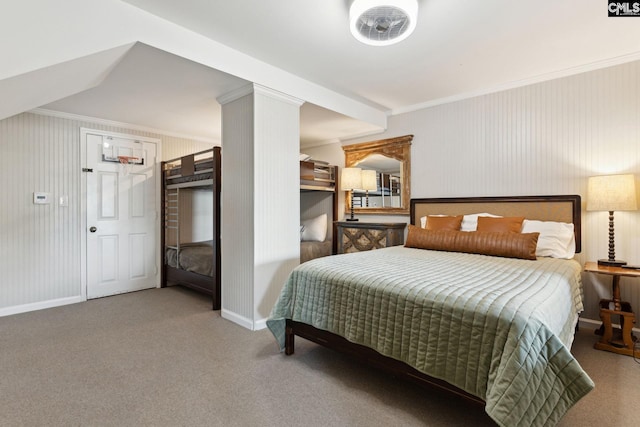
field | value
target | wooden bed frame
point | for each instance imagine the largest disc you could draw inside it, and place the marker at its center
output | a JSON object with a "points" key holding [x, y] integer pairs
{"points": [[544, 208], [191, 178], [189, 279]]}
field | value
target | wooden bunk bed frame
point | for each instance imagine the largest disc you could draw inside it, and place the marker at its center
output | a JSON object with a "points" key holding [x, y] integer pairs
{"points": [[187, 173], [318, 176]]}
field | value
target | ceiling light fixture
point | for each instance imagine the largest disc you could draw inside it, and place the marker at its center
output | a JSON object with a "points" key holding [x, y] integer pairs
{"points": [[382, 22]]}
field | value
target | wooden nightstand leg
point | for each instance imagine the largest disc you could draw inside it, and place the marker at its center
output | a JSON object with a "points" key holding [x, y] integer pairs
{"points": [[604, 304], [605, 316], [627, 325]]}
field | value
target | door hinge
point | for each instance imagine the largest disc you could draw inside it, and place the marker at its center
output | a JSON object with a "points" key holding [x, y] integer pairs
{"points": [[87, 170]]}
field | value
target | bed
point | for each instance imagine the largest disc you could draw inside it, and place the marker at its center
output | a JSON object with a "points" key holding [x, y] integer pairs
{"points": [[311, 250], [194, 264], [493, 329], [195, 257]]}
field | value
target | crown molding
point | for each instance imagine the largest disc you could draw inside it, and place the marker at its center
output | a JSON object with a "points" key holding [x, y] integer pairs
{"points": [[256, 88], [320, 143], [130, 126], [235, 94], [263, 90], [341, 140], [520, 83]]}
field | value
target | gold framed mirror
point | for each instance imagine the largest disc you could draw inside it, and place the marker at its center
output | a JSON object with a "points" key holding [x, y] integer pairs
{"points": [[391, 160]]}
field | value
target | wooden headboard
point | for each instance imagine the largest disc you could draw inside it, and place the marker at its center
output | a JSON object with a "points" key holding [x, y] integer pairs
{"points": [[565, 208]]}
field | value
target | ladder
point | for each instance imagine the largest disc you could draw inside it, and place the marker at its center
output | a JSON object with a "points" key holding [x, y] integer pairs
{"points": [[172, 215]]}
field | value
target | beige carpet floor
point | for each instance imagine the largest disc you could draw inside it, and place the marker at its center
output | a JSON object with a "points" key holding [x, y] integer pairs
{"points": [[162, 358]]}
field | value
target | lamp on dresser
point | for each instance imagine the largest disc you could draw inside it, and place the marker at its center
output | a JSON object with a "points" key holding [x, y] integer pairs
{"points": [[612, 193], [351, 179], [369, 182]]}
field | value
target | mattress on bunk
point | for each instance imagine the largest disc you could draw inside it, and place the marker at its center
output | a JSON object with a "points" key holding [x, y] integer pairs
{"points": [[190, 178], [195, 257], [313, 250]]}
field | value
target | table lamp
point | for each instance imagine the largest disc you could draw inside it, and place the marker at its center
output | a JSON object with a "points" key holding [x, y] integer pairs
{"points": [[369, 182], [351, 178], [612, 193]]}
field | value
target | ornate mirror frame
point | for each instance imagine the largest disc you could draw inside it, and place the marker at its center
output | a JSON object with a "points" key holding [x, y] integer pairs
{"points": [[398, 148]]}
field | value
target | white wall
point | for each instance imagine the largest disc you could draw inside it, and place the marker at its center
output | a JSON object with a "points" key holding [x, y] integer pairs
{"points": [[260, 201], [40, 244], [542, 139], [202, 213]]}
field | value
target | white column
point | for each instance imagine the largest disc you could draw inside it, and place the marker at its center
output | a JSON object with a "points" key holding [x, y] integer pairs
{"points": [[260, 200]]}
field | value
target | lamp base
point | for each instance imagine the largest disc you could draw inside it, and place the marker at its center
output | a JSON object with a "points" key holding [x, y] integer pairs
{"points": [[356, 219], [611, 262]]}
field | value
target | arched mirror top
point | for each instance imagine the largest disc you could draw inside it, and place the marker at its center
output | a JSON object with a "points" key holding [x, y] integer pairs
{"points": [[391, 159]]}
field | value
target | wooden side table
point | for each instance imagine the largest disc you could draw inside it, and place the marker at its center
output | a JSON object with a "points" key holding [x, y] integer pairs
{"points": [[356, 236], [617, 340]]}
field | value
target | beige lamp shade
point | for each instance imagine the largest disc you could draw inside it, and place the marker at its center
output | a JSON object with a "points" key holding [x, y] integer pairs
{"points": [[369, 180], [351, 178], [612, 193]]}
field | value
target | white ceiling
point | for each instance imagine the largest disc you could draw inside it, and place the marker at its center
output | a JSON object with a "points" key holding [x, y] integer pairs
{"points": [[459, 48]]}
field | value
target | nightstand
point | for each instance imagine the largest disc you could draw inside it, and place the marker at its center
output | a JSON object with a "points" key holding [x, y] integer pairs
{"points": [[617, 340], [356, 236]]}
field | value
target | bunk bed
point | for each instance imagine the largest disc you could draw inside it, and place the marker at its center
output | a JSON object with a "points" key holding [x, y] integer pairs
{"points": [[318, 205], [189, 263]]}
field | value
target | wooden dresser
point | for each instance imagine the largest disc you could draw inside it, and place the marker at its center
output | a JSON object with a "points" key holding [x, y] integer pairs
{"points": [[356, 236]]}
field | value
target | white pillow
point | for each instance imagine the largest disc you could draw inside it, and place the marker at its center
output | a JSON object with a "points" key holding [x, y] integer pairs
{"points": [[556, 239], [470, 221], [315, 229]]}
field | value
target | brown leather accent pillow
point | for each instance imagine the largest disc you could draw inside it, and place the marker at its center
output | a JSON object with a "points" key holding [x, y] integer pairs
{"points": [[435, 222], [507, 224], [508, 245]]}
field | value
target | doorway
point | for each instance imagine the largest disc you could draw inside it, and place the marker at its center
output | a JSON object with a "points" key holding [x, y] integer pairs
{"points": [[121, 221]]}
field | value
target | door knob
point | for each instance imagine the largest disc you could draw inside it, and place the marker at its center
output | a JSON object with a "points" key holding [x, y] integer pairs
{"points": [[93, 229]]}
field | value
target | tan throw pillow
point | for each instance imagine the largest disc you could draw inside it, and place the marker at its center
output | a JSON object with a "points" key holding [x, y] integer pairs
{"points": [[507, 224], [437, 222], [508, 245]]}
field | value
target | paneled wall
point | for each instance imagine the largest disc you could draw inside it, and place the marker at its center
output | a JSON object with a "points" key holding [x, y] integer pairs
{"points": [[260, 201], [40, 244], [546, 138], [237, 206]]}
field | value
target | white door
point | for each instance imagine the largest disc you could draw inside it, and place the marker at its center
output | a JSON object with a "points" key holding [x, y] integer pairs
{"points": [[121, 216]]}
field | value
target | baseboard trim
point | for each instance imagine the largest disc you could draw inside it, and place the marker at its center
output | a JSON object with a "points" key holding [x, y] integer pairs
{"points": [[243, 321], [260, 324], [236, 318], [595, 324], [25, 308]]}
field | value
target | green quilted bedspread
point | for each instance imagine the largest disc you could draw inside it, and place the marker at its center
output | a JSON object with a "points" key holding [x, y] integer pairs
{"points": [[497, 328]]}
